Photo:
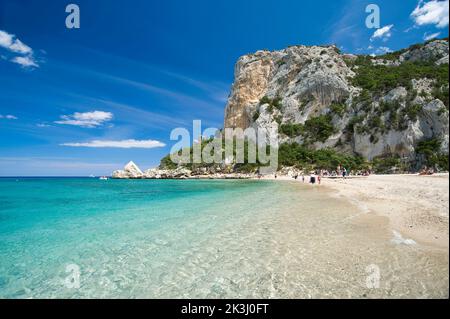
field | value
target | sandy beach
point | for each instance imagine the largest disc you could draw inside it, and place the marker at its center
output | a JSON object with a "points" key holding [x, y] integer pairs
{"points": [[417, 206]]}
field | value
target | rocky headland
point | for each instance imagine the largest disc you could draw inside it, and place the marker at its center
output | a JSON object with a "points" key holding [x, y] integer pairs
{"points": [[386, 113]]}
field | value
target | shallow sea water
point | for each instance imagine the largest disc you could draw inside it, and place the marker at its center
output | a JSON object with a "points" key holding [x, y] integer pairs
{"points": [[202, 239]]}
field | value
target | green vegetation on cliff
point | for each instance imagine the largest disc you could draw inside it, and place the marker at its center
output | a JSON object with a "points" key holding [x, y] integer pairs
{"points": [[303, 157], [316, 129], [429, 149], [378, 79], [274, 103]]}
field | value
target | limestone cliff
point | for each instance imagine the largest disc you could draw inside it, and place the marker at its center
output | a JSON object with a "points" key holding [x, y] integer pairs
{"points": [[370, 106]]}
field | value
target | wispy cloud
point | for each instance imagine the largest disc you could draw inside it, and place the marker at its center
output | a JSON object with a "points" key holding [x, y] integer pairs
{"points": [[25, 61], [43, 125], [182, 98], [134, 114], [12, 44], [428, 37], [383, 33], [433, 12], [346, 28], [87, 119], [217, 91], [131, 143], [8, 117]]}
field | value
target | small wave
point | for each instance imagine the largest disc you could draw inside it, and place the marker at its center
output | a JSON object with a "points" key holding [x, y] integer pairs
{"points": [[399, 240]]}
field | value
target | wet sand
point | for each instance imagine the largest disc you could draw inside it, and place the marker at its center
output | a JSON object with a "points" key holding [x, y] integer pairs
{"points": [[396, 224]]}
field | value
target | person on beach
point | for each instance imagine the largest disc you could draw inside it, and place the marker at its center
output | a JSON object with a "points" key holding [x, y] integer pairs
{"points": [[303, 178], [344, 172], [312, 179]]}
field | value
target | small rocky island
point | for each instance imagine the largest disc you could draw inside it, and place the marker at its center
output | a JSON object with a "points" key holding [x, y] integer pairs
{"points": [[132, 171]]}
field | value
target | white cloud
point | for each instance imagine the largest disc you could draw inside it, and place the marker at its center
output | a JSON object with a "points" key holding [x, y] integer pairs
{"points": [[87, 119], [25, 62], [118, 144], [432, 12], [383, 33], [20, 47], [382, 50], [8, 117], [410, 28], [428, 37], [11, 43]]}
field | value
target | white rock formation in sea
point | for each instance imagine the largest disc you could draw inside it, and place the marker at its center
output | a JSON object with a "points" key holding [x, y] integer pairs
{"points": [[306, 82], [131, 170], [156, 173]]}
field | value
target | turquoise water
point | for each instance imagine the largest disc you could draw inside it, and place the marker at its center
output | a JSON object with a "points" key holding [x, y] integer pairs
{"points": [[116, 231], [198, 239]]}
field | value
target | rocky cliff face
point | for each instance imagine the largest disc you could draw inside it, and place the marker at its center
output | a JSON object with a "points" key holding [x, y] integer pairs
{"points": [[368, 106]]}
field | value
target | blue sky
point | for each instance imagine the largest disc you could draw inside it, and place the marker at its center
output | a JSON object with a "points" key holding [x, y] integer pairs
{"points": [[72, 99]]}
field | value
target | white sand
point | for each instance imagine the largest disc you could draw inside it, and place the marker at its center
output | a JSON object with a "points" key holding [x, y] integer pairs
{"points": [[417, 206]]}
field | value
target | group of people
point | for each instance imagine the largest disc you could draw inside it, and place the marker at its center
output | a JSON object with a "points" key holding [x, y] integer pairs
{"points": [[426, 171], [316, 176], [343, 172]]}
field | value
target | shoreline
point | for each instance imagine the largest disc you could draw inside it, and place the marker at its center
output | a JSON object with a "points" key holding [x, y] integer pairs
{"points": [[416, 206]]}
